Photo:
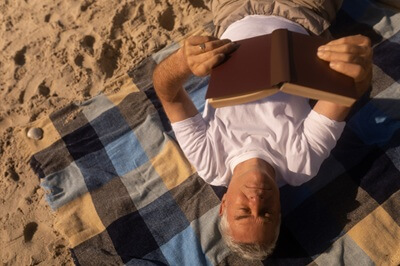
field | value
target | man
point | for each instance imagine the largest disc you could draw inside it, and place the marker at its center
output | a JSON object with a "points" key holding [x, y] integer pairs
{"points": [[253, 148]]}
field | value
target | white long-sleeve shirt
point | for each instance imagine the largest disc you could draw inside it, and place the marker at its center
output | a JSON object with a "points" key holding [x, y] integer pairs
{"points": [[280, 129]]}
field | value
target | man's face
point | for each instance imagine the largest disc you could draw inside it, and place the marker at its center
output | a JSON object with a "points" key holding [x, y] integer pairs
{"points": [[252, 206]]}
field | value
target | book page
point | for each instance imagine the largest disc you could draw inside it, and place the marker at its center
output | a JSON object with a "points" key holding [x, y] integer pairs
{"points": [[316, 94], [243, 98]]}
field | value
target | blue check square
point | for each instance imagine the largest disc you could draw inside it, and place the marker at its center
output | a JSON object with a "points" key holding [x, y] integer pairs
{"points": [[96, 169], [126, 153], [373, 126], [185, 249]]}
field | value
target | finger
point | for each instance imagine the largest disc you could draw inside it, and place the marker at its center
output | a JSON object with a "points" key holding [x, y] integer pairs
{"points": [[205, 68], [208, 46], [344, 57], [357, 72], [227, 48], [196, 40], [345, 48], [196, 59], [215, 60], [355, 39], [217, 43]]}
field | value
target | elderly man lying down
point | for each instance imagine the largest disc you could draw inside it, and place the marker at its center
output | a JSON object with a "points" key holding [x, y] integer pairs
{"points": [[256, 147]]}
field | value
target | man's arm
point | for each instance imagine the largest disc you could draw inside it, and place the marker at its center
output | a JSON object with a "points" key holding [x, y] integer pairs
{"points": [[170, 75], [351, 56], [168, 79]]}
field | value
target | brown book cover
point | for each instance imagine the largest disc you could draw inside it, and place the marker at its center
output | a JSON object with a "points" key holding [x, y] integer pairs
{"points": [[281, 61]]}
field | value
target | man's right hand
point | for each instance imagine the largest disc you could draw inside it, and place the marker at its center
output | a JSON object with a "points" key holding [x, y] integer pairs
{"points": [[202, 53]]}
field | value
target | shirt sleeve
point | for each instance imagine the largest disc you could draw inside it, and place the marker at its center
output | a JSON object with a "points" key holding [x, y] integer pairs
{"points": [[191, 135], [312, 146]]}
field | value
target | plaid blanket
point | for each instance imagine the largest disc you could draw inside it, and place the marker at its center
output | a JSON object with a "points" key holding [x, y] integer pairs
{"points": [[124, 193]]}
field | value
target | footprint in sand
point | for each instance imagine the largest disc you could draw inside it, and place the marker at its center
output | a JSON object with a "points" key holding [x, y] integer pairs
{"points": [[108, 60], [167, 19], [29, 230], [20, 61], [198, 3], [43, 89], [47, 18], [87, 43], [85, 6], [19, 57], [120, 17], [12, 173], [79, 60]]}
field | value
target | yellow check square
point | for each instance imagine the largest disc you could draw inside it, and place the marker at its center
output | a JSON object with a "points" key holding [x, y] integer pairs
{"points": [[78, 220], [172, 165], [379, 236]]}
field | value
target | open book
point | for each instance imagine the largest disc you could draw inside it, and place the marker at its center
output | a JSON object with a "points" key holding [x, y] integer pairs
{"points": [[281, 61]]}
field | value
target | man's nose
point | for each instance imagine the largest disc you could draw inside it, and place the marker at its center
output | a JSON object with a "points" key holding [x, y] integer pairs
{"points": [[257, 199], [257, 204], [256, 194]]}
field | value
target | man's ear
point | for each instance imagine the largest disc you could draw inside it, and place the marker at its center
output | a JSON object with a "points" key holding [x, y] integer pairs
{"points": [[222, 205]]}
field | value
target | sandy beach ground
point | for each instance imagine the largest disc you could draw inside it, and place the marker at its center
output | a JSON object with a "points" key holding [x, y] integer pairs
{"points": [[54, 52]]}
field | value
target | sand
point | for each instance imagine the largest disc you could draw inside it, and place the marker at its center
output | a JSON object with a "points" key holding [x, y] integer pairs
{"points": [[54, 52]]}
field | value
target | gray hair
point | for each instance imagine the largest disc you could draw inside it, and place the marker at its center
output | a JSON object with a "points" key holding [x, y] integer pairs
{"points": [[251, 251]]}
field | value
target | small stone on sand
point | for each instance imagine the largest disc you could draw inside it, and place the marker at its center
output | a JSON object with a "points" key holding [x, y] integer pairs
{"points": [[35, 133]]}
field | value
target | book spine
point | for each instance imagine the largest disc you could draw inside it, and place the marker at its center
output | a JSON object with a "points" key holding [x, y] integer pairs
{"points": [[280, 64]]}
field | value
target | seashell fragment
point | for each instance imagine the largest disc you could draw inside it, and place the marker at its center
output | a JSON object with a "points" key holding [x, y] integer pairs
{"points": [[35, 133]]}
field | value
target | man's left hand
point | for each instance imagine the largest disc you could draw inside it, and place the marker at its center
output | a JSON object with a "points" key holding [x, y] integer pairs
{"points": [[202, 53], [351, 56]]}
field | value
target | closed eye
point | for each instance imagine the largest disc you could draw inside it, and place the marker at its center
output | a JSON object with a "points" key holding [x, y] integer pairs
{"points": [[265, 219], [245, 210], [243, 213], [241, 217]]}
